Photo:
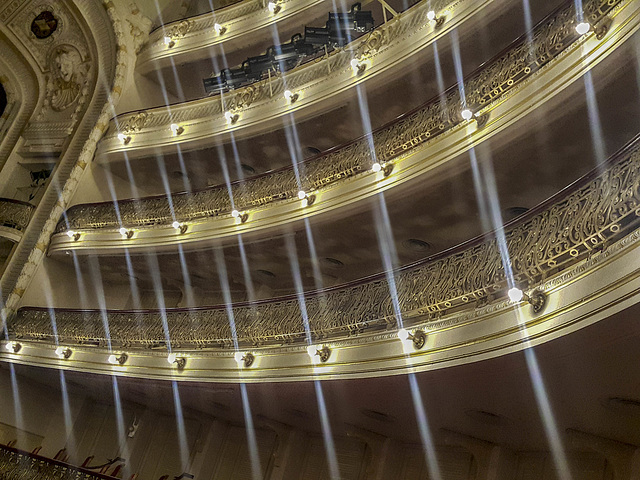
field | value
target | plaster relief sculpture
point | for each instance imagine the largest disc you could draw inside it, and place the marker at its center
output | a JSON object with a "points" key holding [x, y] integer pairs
{"points": [[68, 74]]}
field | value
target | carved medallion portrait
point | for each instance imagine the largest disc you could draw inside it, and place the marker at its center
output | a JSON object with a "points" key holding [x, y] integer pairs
{"points": [[44, 25], [68, 74]]}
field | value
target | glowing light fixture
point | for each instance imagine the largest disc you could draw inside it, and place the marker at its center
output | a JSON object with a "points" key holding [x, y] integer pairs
{"points": [[176, 129], [231, 117], [169, 42], [126, 233], [302, 195], [274, 7], [466, 114], [418, 337], [63, 352], [176, 224], [180, 362], [290, 96], [431, 15], [125, 139], [376, 167], [74, 235], [323, 352], [244, 359], [235, 213], [386, 168], [220, 30], [358, 66], [14, 347], [582, 28], [117, 359], [536, 299]]}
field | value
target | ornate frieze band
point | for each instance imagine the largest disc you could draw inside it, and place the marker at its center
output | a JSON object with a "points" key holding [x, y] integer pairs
{"points": [[499, 78], [580, 221]]}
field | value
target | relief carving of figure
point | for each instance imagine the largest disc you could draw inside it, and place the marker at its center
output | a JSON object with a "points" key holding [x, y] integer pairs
{"points": [[68, 76]]}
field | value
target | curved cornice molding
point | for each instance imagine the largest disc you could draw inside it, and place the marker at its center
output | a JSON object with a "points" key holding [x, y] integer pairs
{"points": [[579, 249], [500, 94], [195, 36], [260, 106], [113, 63]]}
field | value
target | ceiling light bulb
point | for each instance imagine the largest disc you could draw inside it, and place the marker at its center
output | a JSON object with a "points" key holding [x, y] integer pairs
{"points": [[302, 195], [582, 28], [515, 294], [171, 358], [403, 334], [467, 114], [431, 15], [376, 167]]}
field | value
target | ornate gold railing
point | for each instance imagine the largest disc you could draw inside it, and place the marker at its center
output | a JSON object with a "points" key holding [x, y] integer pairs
{"points": [[584, 218], [497, 78], [18, 465], [15, 214]]}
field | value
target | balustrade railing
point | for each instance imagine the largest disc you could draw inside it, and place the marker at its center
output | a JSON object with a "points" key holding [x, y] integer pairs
{"points": [[582, 219], [15, 214], [527, 55]]}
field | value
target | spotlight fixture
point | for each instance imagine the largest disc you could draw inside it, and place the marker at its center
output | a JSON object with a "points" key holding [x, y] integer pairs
{"points": [[418, 337], [274, 7], [432, 17], [582, 28], [179, 361], [324, 353], [118, 359], [376, 167], [74, 235], [63, 352], [242, 216], [220, 30], [169, 42], [386, 168], [466, 114], [537, 299], [232, 118], [126, 233], [176, 129], [125, 139], [358, 66], [290, 96], [14, 347], [179, 226], [302, 195], [244, 359]]}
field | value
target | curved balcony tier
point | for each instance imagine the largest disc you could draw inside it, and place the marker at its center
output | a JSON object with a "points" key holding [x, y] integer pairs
{"points": [[499, 94], [319, 85], [453, 305], [14, 218]]}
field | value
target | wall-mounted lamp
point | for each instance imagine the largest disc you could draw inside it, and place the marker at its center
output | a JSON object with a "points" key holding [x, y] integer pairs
{"points": [[220, 30], [176, 129], [466, 114], [180, 226], [323, 352], [169, 42], [125, 232], [290, 96], [232, 118], [63, 352], [432, 17], [242, 216], [302, 195], [358, 66], [583, 27], [274, 7], [74, 235], [14, 347], [386, 168], [244, 359], [537, 299], [418, 337], [180, 362], [125, 139], [118, 359]]}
